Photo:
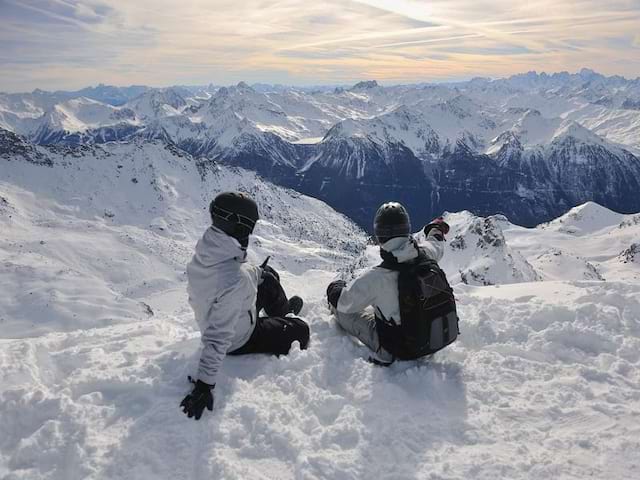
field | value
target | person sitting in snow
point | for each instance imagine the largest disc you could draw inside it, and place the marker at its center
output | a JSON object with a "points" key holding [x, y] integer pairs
{"points": [[227, 295], [413, 311]]}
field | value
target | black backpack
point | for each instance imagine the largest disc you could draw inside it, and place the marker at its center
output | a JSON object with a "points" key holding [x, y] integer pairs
{"points": [[428, 317]]}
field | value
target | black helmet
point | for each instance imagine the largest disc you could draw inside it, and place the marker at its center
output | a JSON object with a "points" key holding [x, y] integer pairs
{"points": [[392, 220], [236, 214]]}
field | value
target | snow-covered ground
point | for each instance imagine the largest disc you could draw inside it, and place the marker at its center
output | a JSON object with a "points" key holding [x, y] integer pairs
{"points": [[97, 339]]}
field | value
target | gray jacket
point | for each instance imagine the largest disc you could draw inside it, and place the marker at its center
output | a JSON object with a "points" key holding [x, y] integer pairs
{"points": [[222, 290]]}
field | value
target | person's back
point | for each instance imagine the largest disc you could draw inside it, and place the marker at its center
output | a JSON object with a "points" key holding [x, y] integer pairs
{"points": [[378, 286], [219, 270]]}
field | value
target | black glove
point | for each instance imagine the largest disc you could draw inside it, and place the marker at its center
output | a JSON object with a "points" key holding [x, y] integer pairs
{"points": [[334, 290], [201, 396], [266, 269], [438, 224]]}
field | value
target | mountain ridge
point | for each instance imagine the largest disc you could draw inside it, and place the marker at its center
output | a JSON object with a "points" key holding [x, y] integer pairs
{"points": [[530, 146]]}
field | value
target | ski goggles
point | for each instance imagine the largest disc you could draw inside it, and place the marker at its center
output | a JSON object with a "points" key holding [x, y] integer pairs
{"points": [[386, 232], [233, 217]]}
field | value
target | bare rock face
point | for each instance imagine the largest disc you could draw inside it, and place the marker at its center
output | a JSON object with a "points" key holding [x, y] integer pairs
{"points": [[630, 222], [631, 254], [14, 146], [489, 234]]}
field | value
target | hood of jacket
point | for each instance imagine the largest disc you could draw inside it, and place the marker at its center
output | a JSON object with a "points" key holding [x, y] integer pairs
{"points": [[403, 249], [216, 247]]}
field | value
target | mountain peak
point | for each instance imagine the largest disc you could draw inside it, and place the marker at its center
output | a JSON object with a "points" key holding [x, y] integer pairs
{"points": [[587, 72], [574, 130], [243, 86], [365, 85], [482, 240], [480, 80], [585, 219]]}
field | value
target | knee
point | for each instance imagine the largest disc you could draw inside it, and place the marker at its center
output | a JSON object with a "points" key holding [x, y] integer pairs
{"points": [[298, 331], [346, 320], [334, 290], [269, 282], [302, 334], [268, 270]]}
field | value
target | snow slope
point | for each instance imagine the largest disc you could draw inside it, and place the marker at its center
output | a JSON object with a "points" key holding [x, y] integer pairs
{"points": [[98, 338], [585, 219], [157, 103], [82, 113]]}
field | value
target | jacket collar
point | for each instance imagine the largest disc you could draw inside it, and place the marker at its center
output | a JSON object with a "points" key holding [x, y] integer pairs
{"points": [[403, 249]]}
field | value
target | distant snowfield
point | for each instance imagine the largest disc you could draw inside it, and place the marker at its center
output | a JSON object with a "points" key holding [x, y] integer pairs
{"points": [[308, 141], [97, 340]]}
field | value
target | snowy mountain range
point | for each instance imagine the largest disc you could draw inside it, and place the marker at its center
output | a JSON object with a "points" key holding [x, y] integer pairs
{"points": [[530, 146], [97, 336]]}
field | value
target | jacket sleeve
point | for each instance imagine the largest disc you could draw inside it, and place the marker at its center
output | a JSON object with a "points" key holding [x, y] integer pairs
{"points": [[359, 294], [433, 246], [218, 335]]}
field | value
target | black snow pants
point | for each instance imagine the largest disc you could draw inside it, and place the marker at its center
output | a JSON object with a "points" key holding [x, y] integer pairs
{"points": [[276, 332]]}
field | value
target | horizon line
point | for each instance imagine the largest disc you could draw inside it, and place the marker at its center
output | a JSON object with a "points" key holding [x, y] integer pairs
{"points": [[464, 79]]}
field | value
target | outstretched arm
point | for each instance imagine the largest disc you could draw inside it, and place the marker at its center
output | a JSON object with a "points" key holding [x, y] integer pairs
{"points": [[435, 233]]}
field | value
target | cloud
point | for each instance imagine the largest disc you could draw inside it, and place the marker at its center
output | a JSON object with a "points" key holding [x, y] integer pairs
{"points": [[72, 43], [85, 12]]}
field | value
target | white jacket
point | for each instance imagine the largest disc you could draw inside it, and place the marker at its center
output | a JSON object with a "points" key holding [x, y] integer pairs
{"points": [[378, 287], [222, 290]]}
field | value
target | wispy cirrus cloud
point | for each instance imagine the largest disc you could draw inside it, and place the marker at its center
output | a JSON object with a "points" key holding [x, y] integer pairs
{"points": [[72, 43]]}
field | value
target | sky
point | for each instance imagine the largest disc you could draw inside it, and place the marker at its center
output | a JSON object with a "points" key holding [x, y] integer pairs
{"points": [[69, 44]]}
